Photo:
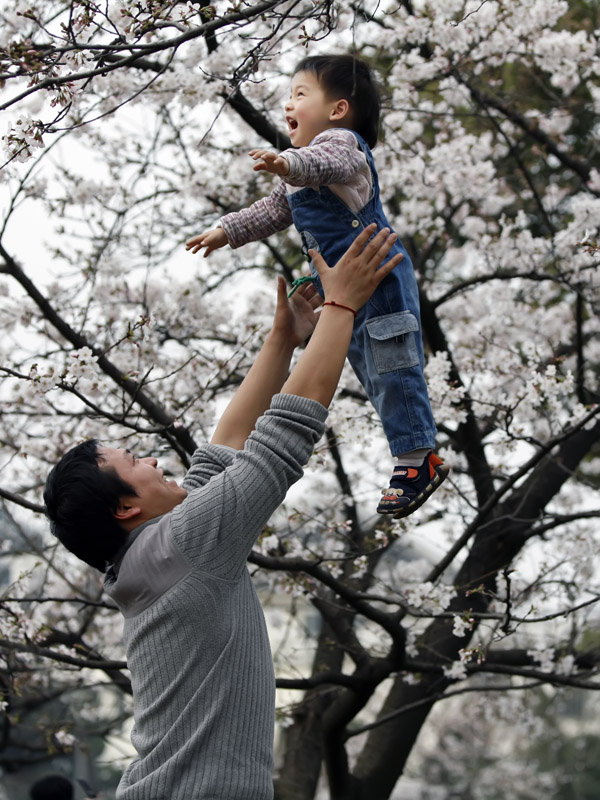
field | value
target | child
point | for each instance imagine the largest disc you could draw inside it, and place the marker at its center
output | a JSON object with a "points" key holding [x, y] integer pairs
{"points": [[330, 190]]}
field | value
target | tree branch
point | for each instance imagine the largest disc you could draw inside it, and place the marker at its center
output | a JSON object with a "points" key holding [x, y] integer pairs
{"points": [[140, 50], [178, 437]]}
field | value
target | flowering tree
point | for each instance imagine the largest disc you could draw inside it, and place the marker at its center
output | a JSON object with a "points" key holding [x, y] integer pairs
{"points": [[128, 128]]}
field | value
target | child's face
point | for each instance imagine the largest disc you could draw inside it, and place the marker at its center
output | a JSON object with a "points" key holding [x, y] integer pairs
{"points": [[308, 111]]}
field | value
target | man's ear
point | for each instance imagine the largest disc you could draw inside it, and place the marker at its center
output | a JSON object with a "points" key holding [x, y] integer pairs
{"points": [[127, 510], [340, 110]]}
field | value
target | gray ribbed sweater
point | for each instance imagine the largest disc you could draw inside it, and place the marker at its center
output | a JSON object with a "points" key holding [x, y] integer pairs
{"points": [[195, 634]]}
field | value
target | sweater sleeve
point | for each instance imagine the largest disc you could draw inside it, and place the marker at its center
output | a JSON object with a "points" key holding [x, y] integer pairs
{"points": [[268, 215], [207, 461], [218, 523], [333, 156]]}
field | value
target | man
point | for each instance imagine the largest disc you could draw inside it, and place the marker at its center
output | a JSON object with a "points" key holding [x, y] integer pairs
{"points": [[175, 556]]}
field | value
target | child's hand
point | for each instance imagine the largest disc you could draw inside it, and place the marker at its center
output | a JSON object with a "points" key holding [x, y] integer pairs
{"points": [[212, 240], [271, 162]]}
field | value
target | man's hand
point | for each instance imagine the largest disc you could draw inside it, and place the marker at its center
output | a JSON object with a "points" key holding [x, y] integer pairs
{"points": [[349, 283], [360, 270], [295, 318], [212, 240], [270, 162]]}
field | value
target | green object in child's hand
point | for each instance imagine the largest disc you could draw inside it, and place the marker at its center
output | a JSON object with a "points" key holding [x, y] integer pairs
{"points": [[299, 281]]}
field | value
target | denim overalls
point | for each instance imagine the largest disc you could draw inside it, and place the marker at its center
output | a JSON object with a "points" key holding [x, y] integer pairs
{"points": [[386, 351]]}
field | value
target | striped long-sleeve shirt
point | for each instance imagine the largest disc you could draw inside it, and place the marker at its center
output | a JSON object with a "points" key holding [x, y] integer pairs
{"points": [[332, 159]]}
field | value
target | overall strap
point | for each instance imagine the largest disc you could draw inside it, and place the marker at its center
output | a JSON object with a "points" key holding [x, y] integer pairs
{"points": [[369, 156]]}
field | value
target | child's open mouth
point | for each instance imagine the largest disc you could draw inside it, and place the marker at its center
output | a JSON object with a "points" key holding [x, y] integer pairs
{"points": [[292, 124]]}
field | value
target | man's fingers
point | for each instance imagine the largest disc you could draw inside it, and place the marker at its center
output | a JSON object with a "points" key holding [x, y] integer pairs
{"points": [[377, 242], [384, 248], [318, 261], [309, 294], [315, 301], [385, 269], [281, 291], [361, 240]]}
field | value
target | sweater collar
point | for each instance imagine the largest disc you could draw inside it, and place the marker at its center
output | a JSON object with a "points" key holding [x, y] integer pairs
{"points": [[112, 570]]}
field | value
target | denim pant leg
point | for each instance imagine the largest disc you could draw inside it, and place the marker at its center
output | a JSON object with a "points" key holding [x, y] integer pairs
{"points": [[393, 381], [386, 353]]}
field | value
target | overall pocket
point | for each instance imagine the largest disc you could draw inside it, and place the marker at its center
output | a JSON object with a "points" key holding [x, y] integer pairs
{"points": [[393, 342], [308, 243]]}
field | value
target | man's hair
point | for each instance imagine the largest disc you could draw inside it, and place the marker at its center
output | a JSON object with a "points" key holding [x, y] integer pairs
{"points": [[347, 77], [53, 787], [81, 499]]}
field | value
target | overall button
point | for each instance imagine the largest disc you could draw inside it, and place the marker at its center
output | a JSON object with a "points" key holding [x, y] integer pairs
{"points": [[355, 223]]}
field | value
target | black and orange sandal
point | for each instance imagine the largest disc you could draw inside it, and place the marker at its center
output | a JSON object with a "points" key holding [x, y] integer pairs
{"points": [[410, 487]]}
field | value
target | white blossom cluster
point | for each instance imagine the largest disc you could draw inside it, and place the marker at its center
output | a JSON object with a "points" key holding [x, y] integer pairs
{"points": [[429, 597], [461, 625], [445, 398], [457, 671], [23, 138], [548, 661]]}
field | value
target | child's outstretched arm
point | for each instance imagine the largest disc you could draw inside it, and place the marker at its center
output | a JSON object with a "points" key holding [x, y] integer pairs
{"points": [[332, 157], [211, 240], [266, 216]]}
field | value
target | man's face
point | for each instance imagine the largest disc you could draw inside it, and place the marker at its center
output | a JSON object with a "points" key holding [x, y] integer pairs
{"points": [[155, 494]]}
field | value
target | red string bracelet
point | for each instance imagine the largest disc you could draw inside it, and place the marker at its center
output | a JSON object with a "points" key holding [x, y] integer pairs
{"points": [[339, 305]]}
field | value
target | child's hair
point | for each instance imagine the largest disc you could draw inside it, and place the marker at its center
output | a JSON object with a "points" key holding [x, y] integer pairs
{"points": [[347, 77]]}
